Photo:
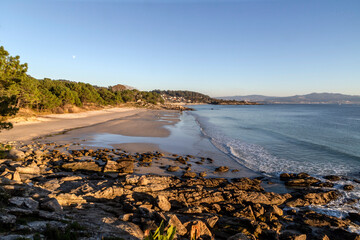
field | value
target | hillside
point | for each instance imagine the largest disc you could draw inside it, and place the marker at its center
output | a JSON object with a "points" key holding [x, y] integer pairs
{"points": [[312, 98], [189, 97]]}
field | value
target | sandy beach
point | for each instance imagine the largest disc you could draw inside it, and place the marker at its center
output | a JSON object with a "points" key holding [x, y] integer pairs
{"points": [[55, 123]]}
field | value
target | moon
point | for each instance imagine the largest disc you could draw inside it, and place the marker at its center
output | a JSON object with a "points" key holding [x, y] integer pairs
{"points": [[73, 56]]}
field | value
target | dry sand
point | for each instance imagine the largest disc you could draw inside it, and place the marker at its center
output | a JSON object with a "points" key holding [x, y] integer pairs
{"points": [[56, 123]]}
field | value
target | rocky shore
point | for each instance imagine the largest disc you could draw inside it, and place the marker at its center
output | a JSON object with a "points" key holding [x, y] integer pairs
{"points": [[50, 191]]}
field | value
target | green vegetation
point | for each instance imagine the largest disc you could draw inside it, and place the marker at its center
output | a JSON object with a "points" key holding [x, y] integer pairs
{"points": [[194, 97], [11, 73], [19, 90], [160, 234]]}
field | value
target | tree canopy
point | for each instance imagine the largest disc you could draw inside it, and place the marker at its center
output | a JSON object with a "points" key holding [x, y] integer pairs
{"points": [[19, 90]]}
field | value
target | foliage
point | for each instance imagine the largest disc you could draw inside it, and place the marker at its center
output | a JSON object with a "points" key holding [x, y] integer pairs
{"points": [[160, 234], [194, 97], [19, 90], [11, 72]]}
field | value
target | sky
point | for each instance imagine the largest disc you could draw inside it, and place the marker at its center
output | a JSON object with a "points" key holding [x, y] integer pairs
{"points": [[220, 48]]}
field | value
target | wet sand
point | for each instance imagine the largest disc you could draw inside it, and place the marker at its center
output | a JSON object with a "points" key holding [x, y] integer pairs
{"points": [[169, 132]]}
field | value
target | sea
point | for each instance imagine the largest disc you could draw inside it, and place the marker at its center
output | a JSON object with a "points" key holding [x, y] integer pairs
{"points": [[317, 139]]}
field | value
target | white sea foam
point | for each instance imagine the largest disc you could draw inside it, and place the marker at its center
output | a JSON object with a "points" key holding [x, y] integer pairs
{"points": [[259, 159]]}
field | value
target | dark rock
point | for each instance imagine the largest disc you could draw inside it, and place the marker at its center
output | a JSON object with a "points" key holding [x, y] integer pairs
{"points": [[24, 202], [239, 236], [52, 205], [348, 187], [354, 217], [7, 218], [222, 169], [332, 177]]}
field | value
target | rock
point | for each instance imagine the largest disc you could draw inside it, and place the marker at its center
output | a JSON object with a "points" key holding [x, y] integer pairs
{"points": [[163, 203], [245, 184], [348, 187], [302, 182], [16, 176], [354, 217], [16, 154], [38, 154], [324, 185], [174, 221], [314, 198], [132, 179], [24, 202], [52, 205], [285, 177], [32, 169], [211, 221], [67, 199], [108, 193], [143, 181], [239, 236], [131, 229], [82, 166], [198, 229], [189, 174], [247, 212], [288, 235], [268, 198], [202, 174], [126, 217], [119, 166], [332, 178], [276, 210], [7, 218], [173, 168], [40, 226], [303, 175], [222, 169]]}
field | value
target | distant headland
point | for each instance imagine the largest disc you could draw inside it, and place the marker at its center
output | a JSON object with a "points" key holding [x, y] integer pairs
{"points": [[312, 98]]}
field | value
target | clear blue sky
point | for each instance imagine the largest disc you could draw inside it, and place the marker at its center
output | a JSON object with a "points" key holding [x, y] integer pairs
{"points": [[270, 47]]}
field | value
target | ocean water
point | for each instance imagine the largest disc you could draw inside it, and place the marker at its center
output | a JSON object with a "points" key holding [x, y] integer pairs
{"points": [[317, 139]]}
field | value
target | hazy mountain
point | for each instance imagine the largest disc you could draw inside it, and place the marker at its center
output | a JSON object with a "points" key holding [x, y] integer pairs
{"points": [[312, 98]]}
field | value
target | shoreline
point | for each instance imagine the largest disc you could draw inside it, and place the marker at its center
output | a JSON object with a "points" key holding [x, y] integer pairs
{"points": [[142, 166]]}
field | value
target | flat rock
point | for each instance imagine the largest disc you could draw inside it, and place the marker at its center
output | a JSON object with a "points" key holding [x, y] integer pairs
{"points": [[24, 202], [82, 166]]}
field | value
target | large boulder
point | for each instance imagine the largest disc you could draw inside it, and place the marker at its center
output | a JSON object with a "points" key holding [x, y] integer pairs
{"points": [[16, 154]]}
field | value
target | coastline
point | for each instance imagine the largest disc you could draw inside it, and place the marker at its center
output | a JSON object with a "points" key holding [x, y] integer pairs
{"points": [[117, 164]]}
